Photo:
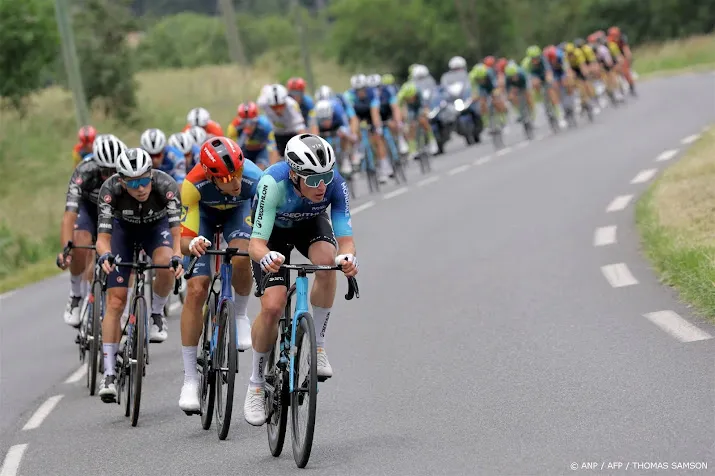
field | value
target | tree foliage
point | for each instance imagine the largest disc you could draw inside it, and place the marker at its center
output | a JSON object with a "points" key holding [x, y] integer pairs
{"points": [[29, 40]]}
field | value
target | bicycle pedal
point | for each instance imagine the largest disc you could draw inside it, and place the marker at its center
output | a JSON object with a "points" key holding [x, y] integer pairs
{"points": [[192, 412]]}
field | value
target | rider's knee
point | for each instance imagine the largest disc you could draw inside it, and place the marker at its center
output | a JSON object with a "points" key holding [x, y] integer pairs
{"points": [[197, 288]]}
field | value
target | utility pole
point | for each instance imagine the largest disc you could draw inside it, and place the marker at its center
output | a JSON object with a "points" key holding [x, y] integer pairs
{"points": [[235, 47], [69, 54], [304, 49]]}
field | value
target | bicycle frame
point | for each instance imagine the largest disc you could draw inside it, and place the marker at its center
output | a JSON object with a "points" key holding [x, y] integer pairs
{"points": [[301, 307]]}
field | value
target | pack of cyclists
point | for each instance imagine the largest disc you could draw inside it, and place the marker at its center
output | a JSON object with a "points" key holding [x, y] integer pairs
{"points": [[268, 183]]}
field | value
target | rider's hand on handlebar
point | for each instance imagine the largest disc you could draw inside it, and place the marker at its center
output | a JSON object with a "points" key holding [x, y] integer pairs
{"points": [[271, 263], [63, 261], [178, 267], [349, 264], [106, 261], [199, 245]]}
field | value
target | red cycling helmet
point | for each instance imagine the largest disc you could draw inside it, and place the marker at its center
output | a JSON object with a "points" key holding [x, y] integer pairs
{"points": [[501, 64], [489, 61], [248, 110], [550, 52], [614, 31], [296, 84], [222, 159], [87, 134]]}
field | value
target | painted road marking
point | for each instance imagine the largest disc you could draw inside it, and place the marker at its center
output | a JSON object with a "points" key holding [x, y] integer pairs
{"points": [[458, 170], [42, 412], [618, 275], [666, 155], [428, 181], [619, 203], [689, 139], [77, 374], [605, 235], [676, 326], [12, 460], [395, 193], [362, 207], [644, 176]]}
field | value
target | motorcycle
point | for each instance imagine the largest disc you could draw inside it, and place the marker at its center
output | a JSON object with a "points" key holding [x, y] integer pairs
{"points": [[450, 112], [442, 116], [469, 124]]}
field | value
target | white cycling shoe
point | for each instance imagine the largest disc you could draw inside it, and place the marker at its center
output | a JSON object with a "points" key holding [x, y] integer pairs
{"points": [[254, 408], [324, 368], [71, 315], [243, 329], [189, 399]]}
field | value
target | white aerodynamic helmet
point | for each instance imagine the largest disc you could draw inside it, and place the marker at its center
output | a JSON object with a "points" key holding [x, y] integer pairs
{"points": [[198, 116], [133, 162], [420, 71], [324, 109], [309, 154], [106, 148], [182, 141], [374, 80], [358, 81], [197, 134], [457, 62], [153, 141], [275, 94], [324, 92]]}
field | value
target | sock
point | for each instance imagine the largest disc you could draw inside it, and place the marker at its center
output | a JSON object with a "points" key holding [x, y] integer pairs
{"points": [[189, 352], [130, 295], [109, 357], [241, 303], [75, 285], [320, 318], [158, 303], [84, 287], [259, 364]]}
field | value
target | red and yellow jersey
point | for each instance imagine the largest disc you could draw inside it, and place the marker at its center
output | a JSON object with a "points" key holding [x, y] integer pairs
{"points": [[79, 151], [232, 132], [212, 128]]}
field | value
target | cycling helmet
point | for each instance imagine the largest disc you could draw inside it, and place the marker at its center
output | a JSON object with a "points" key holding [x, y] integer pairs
{"points": [[153, 141], [614, 31], [388, 79], [198, 116], [198, 134], [87, 134], [374, 80], [182, 141], [457, 62], [248, 110], [133, 163], [479, 71], [221, 158], [106, 149], [489, 61], [296, 84], [533, 51], [550, 52], [409, 89], [511, 69], [359, 81], [309, 154], [501, 64], [420, 72], [324, 109], [276, 94], [323, 92], [578, 42]]}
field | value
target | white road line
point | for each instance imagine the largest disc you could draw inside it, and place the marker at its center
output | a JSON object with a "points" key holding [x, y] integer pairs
{"points": [[77, 374], [12, 460], [482, 160], [362, 207], [42, 412], [174, 306], [619, 203], [395, 193], [676, 326], [428, 181], [666, 155], [458, 170], [605, 235], [689, 139], [644, 176], [504, 151], [618, 275]]}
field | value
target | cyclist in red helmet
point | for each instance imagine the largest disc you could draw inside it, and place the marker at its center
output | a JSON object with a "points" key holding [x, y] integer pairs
{"points": [[217, 192], [83, 147], [254, 134], [296, 90]]}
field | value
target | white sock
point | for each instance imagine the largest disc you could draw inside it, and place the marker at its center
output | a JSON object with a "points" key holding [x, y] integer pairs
{"points": [[158, 303], [320, 318], [109, 357], [75, 285], [130, 296], [241, 303], [259, 364], [189, 352], [84, 287]]}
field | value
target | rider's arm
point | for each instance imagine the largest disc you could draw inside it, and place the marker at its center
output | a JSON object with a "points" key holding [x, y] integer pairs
{"points": [[178, 160], [105, 217], [76, 156], [74, 196], [271, 147], [170, 191], [296, 123], [340, 216], [396, 111], [375, 112], [266, 209], [232, 132], [190, 215]]}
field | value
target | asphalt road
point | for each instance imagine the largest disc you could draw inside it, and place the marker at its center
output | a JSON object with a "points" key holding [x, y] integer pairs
{"points": [[487, 339]]}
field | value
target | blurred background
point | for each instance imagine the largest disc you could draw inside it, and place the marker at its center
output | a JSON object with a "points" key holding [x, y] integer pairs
{"points": [[124, 66]]}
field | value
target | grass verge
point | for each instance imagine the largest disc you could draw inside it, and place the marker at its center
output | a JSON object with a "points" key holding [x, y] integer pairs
{"points": [[696, 53], [677, 225], [35, 151]]}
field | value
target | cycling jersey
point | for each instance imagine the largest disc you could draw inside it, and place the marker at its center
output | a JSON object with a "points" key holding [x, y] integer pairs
{"points": [[576, 59], [338, 121], [307, 109], [173, 163], [259, 143], [212, 128], [489, 84], [615, 50], [364, 104], [116, 203], [537, 67], [278, 204], [194, 158], [558, 66], [290, 121], [345, 102], [387, 100], [84, 185], [588, 54], [519, 81], [80, 152]]}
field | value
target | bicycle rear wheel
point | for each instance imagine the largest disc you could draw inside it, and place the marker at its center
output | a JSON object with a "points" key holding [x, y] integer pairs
{"points": [[136, 362], [94, 336], [305, 389], [207, 377], [276, 398], [226, 366]]}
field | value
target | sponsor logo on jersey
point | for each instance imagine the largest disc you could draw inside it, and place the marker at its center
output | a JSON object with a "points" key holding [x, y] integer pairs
{"points": [[107, 198], [261, 205], [169, 194]]}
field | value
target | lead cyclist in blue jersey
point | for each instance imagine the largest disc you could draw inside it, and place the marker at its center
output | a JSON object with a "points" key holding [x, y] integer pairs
{"points": [[291, 212], [333, 122], [164, 157]]}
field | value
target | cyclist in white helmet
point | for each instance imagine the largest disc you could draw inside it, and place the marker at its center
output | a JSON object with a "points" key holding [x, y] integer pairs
{"points": [[200, 117], [184, 143], [340, 102], [164, 156], [293, 198], [284, 113], [79, 223], [137, 205]]}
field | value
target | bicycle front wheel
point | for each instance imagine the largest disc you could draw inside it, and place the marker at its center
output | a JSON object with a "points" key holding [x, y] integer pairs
{"points": [[206, 374], [94, 336], [136, 362], [305, 390], [226, 366], [276, 398]]}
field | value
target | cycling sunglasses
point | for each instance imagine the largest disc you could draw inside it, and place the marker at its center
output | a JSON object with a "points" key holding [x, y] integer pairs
{"points": [[314, 180], [229, 178], [136, 183]]}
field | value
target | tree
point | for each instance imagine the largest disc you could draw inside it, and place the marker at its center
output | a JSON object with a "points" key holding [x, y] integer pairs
{"points": [[29, 40]]}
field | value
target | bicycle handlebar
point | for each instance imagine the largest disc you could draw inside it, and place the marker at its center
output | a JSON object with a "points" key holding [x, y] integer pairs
{"points": [[143, 266], [67, 249], [353, 290], [228, 252]]}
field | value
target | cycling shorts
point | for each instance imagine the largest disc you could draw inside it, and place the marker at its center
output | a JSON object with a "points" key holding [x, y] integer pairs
{"points": [[385, 112], [125, 236], [87, 218], [258, 157], [300, 237]]}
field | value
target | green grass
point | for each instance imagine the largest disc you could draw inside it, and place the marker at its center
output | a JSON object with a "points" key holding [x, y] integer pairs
{"points": [[35, 152], [677, 224], [691, 54]]}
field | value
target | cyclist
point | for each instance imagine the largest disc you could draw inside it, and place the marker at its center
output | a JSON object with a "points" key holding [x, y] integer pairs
{"points": [[517, 82], [79, 222], [422, 78], [605, 59], [217, 192], [198, 134], [137, 205], [296, 90], [410, 95], [283, 112], [257, 139], [539, 70], [487, 84], [389, 111], [291, 212], [332, 121], [85, 138], [199, 116], [341, 105], [577, 62], [164, 157], [184, 143], [388, 81], [618, 44], [366, 103]]}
